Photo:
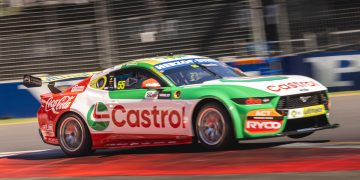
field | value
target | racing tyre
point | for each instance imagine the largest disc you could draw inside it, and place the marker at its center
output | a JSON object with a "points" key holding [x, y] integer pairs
{"points": [[213, 127], [73, 135], [298, 136]]}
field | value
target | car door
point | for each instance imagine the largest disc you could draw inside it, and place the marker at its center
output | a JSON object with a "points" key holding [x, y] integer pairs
{"points": [[148, 113]]}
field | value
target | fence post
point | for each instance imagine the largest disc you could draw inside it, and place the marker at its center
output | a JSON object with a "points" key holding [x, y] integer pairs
{"points": [[257, 24], [283, 28], [104, 39]]}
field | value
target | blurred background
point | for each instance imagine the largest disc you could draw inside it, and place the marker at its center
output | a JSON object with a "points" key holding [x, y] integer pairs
{"points": [[316, 38]]}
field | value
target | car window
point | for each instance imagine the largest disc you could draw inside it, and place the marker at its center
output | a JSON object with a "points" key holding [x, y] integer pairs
{"points": [[130, 78], [195, 72], [100, 82]]}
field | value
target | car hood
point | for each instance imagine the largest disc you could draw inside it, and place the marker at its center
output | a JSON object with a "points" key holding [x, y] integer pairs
{"points": [[279, 85]]}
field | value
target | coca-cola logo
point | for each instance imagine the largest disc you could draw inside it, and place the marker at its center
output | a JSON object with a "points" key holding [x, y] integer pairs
{"points": [[55, 105]]}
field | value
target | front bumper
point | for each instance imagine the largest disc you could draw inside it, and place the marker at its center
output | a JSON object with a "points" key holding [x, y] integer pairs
{"points": [[299, 131], [308, 130]]}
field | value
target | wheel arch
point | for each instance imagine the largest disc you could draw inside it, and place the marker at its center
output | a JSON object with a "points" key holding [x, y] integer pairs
{"points": [[206, 101], [236, 120], [66, 113]]}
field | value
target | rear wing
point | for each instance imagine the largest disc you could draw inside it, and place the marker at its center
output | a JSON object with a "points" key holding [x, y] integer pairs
{"points": [[30, 81]]}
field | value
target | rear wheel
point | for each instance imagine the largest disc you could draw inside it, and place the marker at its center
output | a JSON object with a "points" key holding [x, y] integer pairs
{"points": [[73, 135], [213, 127], [298, 136]]}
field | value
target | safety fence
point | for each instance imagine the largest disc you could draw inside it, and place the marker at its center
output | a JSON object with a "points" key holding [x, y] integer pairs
{"points": [[340, 72], [59, 37]]}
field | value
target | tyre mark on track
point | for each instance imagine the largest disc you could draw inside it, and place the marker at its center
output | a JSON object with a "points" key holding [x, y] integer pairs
{"points": [[152, 161]]}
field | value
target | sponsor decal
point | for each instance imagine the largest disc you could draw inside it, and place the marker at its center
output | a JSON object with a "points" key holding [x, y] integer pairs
{"points": [[263, 126], [98, 111], [296, 113], [264, 113], [263, 121], [304, 90], [99, 116], [314, 110], [306, 112], [182, 62], [111, 82], [164, 95], [151, 95], [291, 85], [168, 65], [77, 88], [57, 104], [148, 117], [177, 94]]}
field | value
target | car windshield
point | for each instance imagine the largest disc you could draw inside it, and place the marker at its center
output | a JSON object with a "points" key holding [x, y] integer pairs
{"points": [[195, 71]]}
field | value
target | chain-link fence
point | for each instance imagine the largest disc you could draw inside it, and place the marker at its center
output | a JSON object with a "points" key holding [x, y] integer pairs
{"points": [[55, 37], [68, 36], [320, 25]]}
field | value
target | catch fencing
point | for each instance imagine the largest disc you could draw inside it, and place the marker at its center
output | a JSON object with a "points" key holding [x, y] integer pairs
{"points": [[69, 36]]}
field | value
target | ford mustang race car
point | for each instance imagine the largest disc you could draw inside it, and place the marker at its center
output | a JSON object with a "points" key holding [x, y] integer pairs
{"points": [[178, 99]]}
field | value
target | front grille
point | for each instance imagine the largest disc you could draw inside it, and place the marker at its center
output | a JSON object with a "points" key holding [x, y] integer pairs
{"points": [[309, 122], [302, 100]]}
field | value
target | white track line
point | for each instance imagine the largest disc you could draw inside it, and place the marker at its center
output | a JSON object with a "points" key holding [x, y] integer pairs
{"points": [[6, 154], [319, 145]]}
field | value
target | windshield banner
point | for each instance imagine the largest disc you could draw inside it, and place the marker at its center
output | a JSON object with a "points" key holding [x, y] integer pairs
{"points": [[183, 62]]}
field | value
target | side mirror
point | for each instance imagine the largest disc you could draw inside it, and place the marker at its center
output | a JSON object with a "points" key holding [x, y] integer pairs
{"points": [[238, 71], [150, 83]]}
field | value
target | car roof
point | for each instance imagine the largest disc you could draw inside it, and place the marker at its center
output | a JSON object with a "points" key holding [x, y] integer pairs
{"points": [[161, 59], [149, 62]]}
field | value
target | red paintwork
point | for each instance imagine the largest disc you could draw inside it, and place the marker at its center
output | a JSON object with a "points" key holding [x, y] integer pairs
{"points": [[181, 161], [112, 140], [48, 118]]}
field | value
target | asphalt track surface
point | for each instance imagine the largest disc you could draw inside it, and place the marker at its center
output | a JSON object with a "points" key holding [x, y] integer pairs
{"points": [[330, 154]]}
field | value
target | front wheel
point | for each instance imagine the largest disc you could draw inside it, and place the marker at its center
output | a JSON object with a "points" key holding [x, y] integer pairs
{"points": [[213, 127], [73, 135]]}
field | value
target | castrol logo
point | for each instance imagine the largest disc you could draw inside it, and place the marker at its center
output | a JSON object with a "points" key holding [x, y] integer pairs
{"points": [[55, 105], [291, 85]]}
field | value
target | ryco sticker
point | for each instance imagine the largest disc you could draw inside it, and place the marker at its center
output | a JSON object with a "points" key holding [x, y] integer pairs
{"points": [[263, 126], [263, 121]]}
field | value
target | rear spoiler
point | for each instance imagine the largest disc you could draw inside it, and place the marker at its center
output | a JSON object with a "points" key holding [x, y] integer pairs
{"points": [[30, 81]]}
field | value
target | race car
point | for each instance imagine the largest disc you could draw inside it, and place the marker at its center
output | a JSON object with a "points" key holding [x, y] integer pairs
{"points": [[177, 99]]}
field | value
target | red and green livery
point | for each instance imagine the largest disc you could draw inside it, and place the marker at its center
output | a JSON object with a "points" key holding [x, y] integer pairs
{"points": [[178, 99]]}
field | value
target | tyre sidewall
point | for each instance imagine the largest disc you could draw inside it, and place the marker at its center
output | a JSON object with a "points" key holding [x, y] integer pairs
{"points": [[228, 137], [85, 146]]}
